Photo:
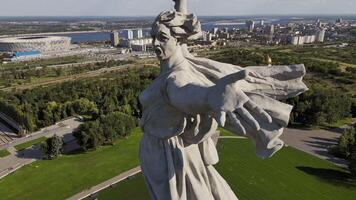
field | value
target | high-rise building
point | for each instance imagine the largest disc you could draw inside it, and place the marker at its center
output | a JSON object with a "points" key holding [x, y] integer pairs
{"points": [[115, 39], [137, 34], [128, 34], [320, 35], [270, 29], [294, 40], [250, 25], [215, 30], [308, 39], [262, 22], [269, 32]]}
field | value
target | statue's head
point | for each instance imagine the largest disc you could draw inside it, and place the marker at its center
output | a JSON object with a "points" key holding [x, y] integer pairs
{"points": [[171, 29]]}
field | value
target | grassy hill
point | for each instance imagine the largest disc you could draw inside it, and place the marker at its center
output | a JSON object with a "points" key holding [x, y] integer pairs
{"points": [[290, 174], [70, 174]]}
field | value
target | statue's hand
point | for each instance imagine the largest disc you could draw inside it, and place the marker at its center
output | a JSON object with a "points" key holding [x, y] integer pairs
{"points": [[226, 99]]}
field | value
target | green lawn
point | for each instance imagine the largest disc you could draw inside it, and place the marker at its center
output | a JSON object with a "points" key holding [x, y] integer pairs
{"points": [[4, 153], [289, 175], [70, 174], [30, 143]]}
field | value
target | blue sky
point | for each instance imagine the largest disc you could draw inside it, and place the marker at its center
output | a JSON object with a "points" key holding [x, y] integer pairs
{"points": [[153, 7]]}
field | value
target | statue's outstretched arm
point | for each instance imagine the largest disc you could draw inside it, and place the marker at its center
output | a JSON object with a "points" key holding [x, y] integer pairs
{"points": [[219, 100]]}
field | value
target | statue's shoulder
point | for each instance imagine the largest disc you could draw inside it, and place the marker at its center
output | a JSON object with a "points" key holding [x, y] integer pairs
{"points": [[154, 90]]}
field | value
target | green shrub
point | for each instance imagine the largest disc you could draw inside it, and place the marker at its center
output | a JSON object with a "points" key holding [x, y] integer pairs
{"points": [[52, 147]]}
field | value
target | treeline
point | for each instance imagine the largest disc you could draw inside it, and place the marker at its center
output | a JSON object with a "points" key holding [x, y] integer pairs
{"points": [[105, 130], [92, 97], [320, 105], [27, 73], [346, 148]]}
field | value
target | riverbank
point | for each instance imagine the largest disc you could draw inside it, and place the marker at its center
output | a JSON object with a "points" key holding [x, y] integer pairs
{"points": [[55, 33]]}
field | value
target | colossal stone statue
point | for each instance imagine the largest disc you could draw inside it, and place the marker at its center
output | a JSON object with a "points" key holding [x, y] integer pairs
{"points": [[191, 98]]}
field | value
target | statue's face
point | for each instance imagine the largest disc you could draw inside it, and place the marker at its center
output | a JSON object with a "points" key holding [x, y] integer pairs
{"points": [[164, 43]]}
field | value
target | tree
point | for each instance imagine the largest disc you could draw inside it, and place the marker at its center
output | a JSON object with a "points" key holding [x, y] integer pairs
{"points": [[320, 105], [52, 147], [105, 130], [346, 148], [90, 135]]}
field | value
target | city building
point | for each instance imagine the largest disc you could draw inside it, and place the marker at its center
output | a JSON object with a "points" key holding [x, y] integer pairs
{"points": [[262, 22], [115, 39], [250, 25], [128, 34], [137, 34], [294, 40], [137, 44], [215, 30], [320, 35], [308, 39], [35, 44]]}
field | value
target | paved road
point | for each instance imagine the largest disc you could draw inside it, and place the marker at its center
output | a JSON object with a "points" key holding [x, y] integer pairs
{"points": [[16, 160], [106, 184], [61, 128], [314, 142]]}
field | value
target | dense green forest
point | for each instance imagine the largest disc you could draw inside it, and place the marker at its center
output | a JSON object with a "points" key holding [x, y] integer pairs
{"points": [[92, 97]]}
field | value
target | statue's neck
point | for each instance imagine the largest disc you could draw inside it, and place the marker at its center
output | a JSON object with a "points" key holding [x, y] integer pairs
{"points": [[175, 60]]}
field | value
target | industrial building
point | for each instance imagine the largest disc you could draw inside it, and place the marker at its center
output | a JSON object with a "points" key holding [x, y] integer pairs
{"points": [[40, 44]]}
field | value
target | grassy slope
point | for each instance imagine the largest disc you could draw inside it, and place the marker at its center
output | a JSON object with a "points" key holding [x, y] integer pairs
{"points": [[290, 174], [70, 174], [4, 153], [30, 143]]}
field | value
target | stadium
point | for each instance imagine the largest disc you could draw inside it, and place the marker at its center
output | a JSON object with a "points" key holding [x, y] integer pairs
{"points": [[35, 44]]}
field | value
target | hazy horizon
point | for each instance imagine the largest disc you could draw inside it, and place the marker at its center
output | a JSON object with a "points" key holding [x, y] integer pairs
{"points": [[131, 8]]}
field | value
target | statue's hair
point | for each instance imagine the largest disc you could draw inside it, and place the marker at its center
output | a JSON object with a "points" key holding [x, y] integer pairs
{"points": [[182, 26]]}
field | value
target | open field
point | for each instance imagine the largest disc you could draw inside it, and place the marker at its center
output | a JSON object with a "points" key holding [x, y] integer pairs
{"points": [[4, 153], [30, 143], [70, 174], [290, 174]]}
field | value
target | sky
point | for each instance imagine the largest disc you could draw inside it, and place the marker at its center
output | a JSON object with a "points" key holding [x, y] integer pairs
{"points": [[153, 7]]}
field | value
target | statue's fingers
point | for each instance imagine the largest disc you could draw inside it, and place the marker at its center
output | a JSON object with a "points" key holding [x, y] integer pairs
{"points": [[243, 112], [232, 78], [221, 118], [237, 122], [254, 107]]}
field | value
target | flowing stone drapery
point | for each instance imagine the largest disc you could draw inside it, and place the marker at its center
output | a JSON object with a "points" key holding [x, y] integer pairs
{"points": [[191, 97]]}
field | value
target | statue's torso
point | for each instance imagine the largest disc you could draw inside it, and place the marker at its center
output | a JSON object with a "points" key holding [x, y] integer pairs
{"points": [[163, 120]]}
